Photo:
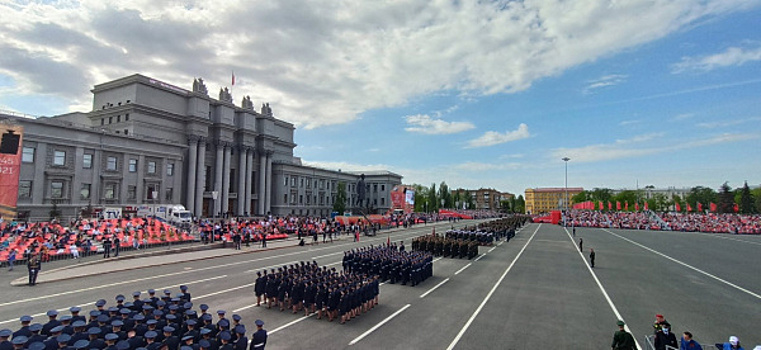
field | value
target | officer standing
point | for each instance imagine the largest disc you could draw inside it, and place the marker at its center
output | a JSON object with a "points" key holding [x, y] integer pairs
{"points": [[34, 265], [107, 247], [259, 339], [623, 340], [592, 256]]}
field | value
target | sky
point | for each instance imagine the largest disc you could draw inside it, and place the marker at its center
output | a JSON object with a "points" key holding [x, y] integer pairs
{"points": [[473, 93]]}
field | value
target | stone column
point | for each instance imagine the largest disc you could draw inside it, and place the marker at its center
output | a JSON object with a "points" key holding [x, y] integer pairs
{"points": [[241, 180], [191, 170], [200, 178], [249, 179], [218, 179], [262, 182], [226, 179], [268, 196]]}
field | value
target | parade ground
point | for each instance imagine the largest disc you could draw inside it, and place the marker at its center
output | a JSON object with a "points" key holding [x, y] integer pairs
{"points": [[537, 291]]}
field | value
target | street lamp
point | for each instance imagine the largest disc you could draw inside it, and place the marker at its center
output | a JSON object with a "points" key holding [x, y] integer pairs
{"points": [[565, 199]]}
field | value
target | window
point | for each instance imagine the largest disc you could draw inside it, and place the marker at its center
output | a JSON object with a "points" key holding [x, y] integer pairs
{"points": [[110, 192], [207, 179], [133, 165], [151, 167], [59, 158], [87, 161], [84, 193], [170, 169], [110, 120], [56, 189], [126, 132], [152, 192], [233, 185], [169, 194], [285, 180], [24, 189], [301, 182], [301, 199], [383, 188], [131, 192], [111, 163], [102, 121], [383, 201], [285, 198], [27, 155], [293, 181], [375, 187], [126, 116], [119, 118]]}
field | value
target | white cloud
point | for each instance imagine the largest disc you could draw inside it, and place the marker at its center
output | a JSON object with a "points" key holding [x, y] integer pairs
{"points": [[683, 116], [727, 123], [424, 124], [733, 56], [491, 138], [639, 146], [629, 122], [324, 62], [608, 80]]}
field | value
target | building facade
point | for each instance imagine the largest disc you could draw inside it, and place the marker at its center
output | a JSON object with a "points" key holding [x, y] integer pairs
{"points": [[149, 142], [485, 198], [543, 200]]}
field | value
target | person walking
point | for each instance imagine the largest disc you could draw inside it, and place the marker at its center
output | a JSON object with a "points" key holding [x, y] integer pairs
{"points": [[581, 244], [688, 343], [117, 245], [34, 264], [592, 257], [11, 259], [259, 339], [623, 340]]}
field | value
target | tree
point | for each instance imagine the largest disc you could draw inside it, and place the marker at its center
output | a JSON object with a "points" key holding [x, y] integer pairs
{"points": [[601, 195], [468, 199], [446, 195], [520, 205], [421, 193], [339, 205], [700, 194], [433, 202], [624, 197], [747, 205], [580, 197], [504, 206], [726, 200]]}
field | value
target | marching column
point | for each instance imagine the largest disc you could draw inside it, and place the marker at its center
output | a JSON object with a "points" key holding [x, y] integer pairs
{"points": [[249, 185], [191, 163], [200, 178], [218, 179], [241, 180], [262, 181], [226, 180]]}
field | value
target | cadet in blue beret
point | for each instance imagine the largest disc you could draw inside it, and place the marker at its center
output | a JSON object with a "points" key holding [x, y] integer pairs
{"points": [[35, 328], [37, 346], [81, 344], [259, 339], [224, 341], [24, 330], [170, 340], [5, 344]]}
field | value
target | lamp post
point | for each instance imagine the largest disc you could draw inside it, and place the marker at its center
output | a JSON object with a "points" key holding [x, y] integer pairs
{"points": [[565, 199]]}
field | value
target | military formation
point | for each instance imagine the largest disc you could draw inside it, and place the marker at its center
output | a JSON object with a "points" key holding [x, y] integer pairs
{"points": [[311, 288], [156, 322], [446, 247], [390, 263]]}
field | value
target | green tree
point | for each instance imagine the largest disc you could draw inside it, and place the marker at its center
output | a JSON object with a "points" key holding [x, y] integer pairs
{"points": [[700, 194], [747, 205], [339, 205], [469, 201], [756, 194], [580, 197], [624, 197], [446, 195], [601, 195], [520, 204], [433, 201], [726, 199], [421, 194]]}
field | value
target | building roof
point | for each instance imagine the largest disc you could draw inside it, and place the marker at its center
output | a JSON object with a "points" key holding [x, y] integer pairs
{"points": [[555, 189]]}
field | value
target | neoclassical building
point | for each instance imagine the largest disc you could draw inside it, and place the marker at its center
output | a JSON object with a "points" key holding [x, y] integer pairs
{"points": [[150, 142]]}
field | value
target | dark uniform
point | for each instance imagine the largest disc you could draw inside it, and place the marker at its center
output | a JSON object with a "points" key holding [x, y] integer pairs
{"points": [[623, 340], [259, 339]]}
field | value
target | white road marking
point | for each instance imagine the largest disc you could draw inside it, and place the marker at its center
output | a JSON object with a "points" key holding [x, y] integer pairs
{"points": [[602, 289], [492, 248], [757, 296], [479, 257], [500, 243], [463, 268], [369, 331], [326, 255], [488, 296], [91, 303], [434, 288], [278, 329], [224, 291]]}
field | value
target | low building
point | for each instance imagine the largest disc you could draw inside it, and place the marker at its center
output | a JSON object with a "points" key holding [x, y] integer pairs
{"points": [[543, 200]]}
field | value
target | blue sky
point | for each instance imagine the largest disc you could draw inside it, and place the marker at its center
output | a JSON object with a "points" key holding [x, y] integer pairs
{"points": [[477, 94]]}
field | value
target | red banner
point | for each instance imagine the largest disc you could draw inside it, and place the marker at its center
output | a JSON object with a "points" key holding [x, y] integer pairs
{"points": [[646, 208], [636, 206], [626, 205], [713, 207], [700, 207], [736, 208], [689, 207], [678, 207], [10, 165], [600, 205], [618, 205], [610, 205]]}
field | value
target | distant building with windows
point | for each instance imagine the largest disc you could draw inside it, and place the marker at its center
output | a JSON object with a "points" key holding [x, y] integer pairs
{"points": [[542, 200], [485, 198], [150, 142]]}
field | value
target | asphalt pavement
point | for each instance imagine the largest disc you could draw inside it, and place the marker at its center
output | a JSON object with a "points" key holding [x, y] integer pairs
{"points": [[537, 291]]}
